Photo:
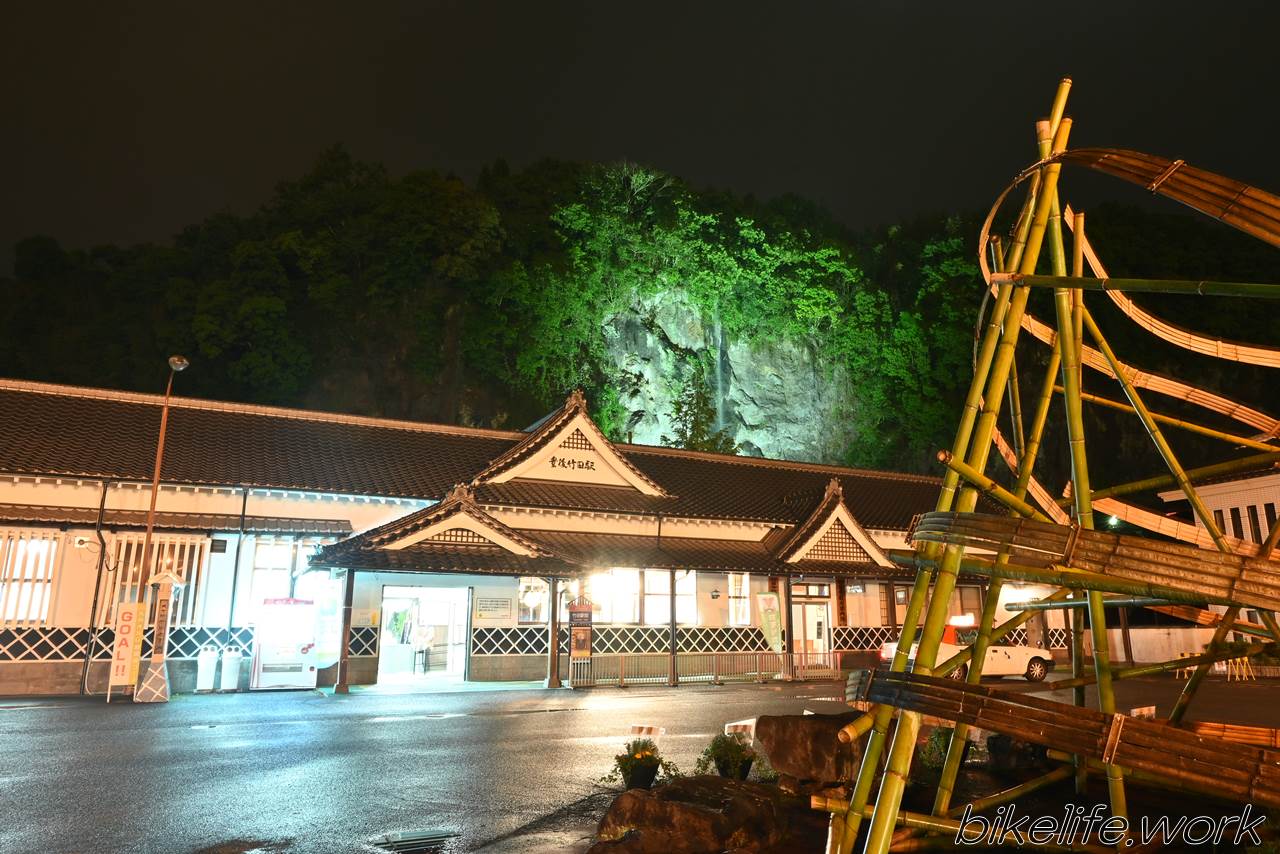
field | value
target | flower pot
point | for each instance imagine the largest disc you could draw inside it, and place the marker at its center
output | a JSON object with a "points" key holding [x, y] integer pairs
{"points": [[727, 769], [640, 777]]}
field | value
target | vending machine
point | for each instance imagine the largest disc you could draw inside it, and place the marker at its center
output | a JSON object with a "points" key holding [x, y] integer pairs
{"points": [[284, 645]]}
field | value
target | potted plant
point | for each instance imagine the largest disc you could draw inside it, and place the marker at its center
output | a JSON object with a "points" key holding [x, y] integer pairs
{"points": [[638, 765], [731, 755]]}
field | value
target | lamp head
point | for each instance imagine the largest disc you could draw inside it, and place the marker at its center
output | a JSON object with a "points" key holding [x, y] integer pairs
{"points": [[178, 363]]}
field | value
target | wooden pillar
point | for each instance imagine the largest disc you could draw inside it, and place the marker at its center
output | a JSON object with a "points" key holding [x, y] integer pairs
{"points": [[553, 633], [842, 600], [787, 633], [342, 686], [673, 677], [891, 597]]}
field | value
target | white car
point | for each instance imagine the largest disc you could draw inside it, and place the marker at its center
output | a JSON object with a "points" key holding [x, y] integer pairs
{"points": [[1028, 661]]}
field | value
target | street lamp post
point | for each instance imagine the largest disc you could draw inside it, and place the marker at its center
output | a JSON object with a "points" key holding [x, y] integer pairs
{"points": [[155, 682]]}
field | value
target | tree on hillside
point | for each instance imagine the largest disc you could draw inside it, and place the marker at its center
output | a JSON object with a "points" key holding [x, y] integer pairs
{"points": [[693, 422]]}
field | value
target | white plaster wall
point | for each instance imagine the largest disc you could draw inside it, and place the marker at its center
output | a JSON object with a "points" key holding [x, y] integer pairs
{"points": [[1157, 643], [1018, 592], [864, 608]]}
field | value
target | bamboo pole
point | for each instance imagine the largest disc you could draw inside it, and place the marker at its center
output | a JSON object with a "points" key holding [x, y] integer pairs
{"points": [[1075, 579], [877, 721], [893, 782], [960, 732], [1114, 602], [1156, 668], [1155, 286], [1273, 536], [1153, 430], [989, 487], [1180, 423], [1015, 410], [1201, 473], [1183, 702], [1071, 379], [1038, 421], [1269, 620], [946, 826], [986, 632]]}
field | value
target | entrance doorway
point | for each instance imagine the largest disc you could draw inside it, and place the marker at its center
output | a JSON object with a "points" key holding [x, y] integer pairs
{"points": [[811, 621], [424, 635]]}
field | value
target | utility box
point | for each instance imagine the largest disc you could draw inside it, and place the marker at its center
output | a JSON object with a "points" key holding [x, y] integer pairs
{"points": [[206, 665], [230, 670]]}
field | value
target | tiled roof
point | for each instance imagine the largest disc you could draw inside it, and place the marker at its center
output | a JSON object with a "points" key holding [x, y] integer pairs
{"points": [[79, 432], [32, 514], [546, 430], [55, 430]]}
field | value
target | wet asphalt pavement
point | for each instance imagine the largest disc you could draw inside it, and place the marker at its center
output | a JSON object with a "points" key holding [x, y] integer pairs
{"points": [[308, 772]]}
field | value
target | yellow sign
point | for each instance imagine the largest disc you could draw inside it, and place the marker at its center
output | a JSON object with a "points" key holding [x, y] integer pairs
{"points": [[127, 649]]}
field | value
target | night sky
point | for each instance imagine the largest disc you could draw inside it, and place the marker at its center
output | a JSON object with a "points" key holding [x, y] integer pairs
{"points": [[124, 122]]}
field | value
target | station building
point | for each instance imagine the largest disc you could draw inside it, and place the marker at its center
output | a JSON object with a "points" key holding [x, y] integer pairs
{"points": [[437, 552]]}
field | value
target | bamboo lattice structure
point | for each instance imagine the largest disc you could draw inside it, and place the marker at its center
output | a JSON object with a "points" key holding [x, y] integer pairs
{"points": [[1052, 543]]}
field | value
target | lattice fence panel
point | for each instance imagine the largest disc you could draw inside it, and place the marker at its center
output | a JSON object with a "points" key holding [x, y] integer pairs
{"points": [[364, 641], [46, 643], [861, 638], [510, 640], [721, 639], [1058, 639]]}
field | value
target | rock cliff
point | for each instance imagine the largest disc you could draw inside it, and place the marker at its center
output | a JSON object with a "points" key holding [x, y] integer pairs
{"points": [[772, 395]]}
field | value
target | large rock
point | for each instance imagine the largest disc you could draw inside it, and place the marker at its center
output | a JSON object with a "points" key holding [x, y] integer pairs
{"points": [[699, 815], [807, 748], [772, 395]]}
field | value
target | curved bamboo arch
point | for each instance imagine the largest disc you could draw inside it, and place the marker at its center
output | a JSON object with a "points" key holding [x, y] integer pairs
{"points": [[1239, 205], [1252, 354], [1223, 200]]}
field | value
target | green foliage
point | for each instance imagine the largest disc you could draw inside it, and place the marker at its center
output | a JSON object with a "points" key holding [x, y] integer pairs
{"points": [[732, 750], [638, 753], [421, 297], [693, 420], [933, 753]]}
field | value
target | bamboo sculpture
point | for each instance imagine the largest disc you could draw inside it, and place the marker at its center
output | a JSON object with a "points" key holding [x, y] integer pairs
{"points": [[1052, 542]]}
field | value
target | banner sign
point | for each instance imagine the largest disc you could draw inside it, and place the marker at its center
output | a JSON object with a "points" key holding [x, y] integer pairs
{"points": [[770, 619], [580, 628], [127, 648], [158, 646]]}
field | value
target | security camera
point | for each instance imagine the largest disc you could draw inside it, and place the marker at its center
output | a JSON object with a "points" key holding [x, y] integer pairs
{"points": [[81, 542]]}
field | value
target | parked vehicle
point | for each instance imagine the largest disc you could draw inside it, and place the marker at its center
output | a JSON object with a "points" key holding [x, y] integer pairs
{"points": [[1029, 662]]}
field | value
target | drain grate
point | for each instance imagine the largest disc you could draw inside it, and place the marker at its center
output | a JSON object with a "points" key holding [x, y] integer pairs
{"points": [[413, 841]]}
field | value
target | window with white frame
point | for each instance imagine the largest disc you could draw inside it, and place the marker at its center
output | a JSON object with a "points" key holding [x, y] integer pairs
{"points": [[657, 597], [273, 565], [27, 562], [532, 598], [129, 579], [739, 599], [615, 596]]}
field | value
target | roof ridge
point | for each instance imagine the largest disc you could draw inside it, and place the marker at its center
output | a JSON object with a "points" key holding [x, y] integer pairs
{"points": [[298, 414], [772, 462]]}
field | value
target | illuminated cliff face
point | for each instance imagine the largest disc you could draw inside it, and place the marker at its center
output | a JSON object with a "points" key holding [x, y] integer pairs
{"points": [[774, 398]]}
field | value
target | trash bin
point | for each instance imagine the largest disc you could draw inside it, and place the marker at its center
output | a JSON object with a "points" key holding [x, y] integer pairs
{"points": [[206, 664], [230, 669]]}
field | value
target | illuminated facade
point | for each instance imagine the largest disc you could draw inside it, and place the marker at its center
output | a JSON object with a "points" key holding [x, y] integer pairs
{"points": [[442, 541]]}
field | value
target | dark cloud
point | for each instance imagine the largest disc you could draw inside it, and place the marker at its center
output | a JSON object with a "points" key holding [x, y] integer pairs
{"points": [[122, 124]]}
